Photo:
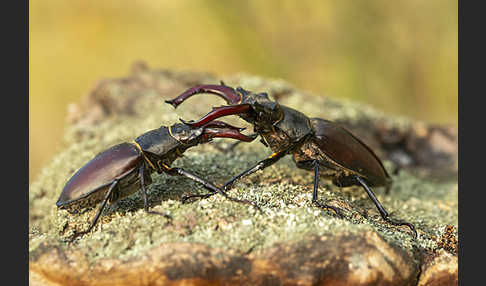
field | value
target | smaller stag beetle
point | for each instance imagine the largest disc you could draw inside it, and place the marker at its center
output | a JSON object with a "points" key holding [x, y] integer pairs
{"points": [[316, 144], [125, 168]]}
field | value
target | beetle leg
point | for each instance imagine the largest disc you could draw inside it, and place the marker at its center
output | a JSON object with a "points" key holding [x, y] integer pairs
{"points": [[207, 185], [145, 197], [202, 196], [272, 159], [316, 187], [383, 212], [93, 222], [258, 166]]}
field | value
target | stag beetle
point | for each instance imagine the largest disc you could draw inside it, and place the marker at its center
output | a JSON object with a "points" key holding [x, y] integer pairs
{"points": [[315, 144], [124, 168]]}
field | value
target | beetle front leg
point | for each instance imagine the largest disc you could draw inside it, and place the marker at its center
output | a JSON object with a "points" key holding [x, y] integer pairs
{"points": [[207, 185], [202, 196], [272, 159], [100, 209], [316, 187], [383, 212]]}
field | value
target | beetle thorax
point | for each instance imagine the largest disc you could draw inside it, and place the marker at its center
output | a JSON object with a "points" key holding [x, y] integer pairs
{"points": [[158, 142]]}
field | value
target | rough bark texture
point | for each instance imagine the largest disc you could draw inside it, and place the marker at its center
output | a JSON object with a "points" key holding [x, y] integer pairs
{"points": [[217, 242]]}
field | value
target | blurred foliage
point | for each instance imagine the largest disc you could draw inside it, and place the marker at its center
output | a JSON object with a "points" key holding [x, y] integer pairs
{"points": [[399, 56]]}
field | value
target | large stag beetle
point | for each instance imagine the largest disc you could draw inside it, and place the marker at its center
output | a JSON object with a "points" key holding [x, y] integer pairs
{"points": [[316, 144]]}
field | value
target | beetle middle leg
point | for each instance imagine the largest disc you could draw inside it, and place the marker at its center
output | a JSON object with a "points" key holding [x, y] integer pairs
{"points": [[145, 197], [100, 209], [383, 212], [315, 163]]}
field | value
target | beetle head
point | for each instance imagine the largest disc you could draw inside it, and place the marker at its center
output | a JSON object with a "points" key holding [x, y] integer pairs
{"points": [[264, 111], [186, 134]]}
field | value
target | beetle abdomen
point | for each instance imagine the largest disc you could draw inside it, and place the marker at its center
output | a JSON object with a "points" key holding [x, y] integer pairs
{"points": [[348, 151], [94, 177]]}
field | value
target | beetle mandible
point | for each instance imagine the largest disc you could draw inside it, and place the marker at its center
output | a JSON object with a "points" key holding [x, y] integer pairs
{"points": [[316, 144], [125, 168]]}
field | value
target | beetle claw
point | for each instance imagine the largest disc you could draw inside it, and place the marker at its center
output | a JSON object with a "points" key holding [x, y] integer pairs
{"points": [[76, 235], [334, 209], [411, 227]]}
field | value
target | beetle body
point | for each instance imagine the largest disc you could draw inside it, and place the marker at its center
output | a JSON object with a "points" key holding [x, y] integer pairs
{"points": [[284, 129], [316, 144], [126, 168]]}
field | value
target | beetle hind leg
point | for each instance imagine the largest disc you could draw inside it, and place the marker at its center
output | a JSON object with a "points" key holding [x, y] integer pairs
{"points": [[383, 212]]}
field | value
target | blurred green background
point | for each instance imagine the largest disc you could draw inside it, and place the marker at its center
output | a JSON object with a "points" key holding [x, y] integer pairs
{"points": [[399, 56]]}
